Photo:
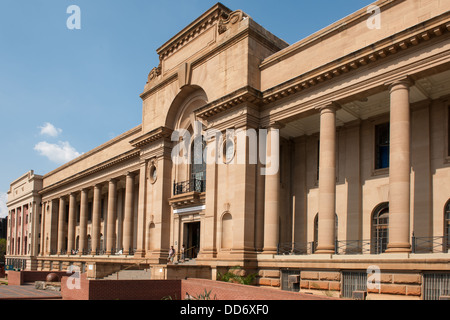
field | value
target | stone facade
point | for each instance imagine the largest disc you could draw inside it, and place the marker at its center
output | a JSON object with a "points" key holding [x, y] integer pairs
{"points": [[24, 214], [358, 118]]}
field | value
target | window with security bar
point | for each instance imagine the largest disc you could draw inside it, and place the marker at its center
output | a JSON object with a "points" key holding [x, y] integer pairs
{"points": [[380, 228]]}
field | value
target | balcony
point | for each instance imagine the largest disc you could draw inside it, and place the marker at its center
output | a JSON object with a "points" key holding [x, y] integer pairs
{"points": [[193, 185], [188, 193]]}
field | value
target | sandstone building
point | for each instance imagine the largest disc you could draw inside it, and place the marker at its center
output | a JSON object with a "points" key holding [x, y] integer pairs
{"points": [[362, 117]]}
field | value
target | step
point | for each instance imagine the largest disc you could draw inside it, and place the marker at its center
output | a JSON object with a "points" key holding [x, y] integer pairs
{"points": [[130, 275]]}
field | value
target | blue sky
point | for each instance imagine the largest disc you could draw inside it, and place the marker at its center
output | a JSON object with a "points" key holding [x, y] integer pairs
{"points": [[63, 92]]}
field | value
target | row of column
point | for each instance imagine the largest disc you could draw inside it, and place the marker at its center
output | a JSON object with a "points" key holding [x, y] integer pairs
{"points": [[96, 218], [399, 179]]}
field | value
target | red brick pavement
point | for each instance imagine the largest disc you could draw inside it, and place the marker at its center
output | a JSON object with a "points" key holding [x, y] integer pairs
{"points": [[26, 292]]}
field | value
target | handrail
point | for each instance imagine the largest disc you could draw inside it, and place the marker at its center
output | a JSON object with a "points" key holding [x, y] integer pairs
{"points": [[185, 251], [135, 264]]}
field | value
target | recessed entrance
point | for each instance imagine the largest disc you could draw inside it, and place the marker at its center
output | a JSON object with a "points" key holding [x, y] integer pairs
{"points": [[191, 239]]}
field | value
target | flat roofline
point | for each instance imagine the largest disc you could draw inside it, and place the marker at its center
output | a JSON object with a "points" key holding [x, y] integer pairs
{"points": [[95, 150], [325, 32], [29, 175]]}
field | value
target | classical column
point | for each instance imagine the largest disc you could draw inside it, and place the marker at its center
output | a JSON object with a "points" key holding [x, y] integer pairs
{"points": [[129, 217], [83, 220], [111, 224], [141, 221], [61, 221], [72, 222], [272, 191], [96, 212], [399, 168], [327, 180]]}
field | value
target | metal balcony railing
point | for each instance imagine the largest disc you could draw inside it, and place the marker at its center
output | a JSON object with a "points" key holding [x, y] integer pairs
{"points": [[439, 244], [296, 248], [430, 244], [193, 185], [353, 247]]}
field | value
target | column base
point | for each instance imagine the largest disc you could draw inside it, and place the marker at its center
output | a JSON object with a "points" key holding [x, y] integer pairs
{"points": [[207, 254], [325, 250], [270, 250], [140, 253], [398, 248]]}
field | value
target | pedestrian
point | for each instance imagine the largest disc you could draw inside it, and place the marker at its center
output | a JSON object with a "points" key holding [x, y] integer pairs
{"points": [[171, 254], [182, 253]]}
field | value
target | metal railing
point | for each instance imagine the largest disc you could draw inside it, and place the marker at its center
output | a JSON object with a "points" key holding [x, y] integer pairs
{"points": [[430, 244], [439, 244], [193, 185], [296, 248], [353, 247]]}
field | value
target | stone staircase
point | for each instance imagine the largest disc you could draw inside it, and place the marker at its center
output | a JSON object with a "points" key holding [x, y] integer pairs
{"points": [[130, 275], [187, 262]]}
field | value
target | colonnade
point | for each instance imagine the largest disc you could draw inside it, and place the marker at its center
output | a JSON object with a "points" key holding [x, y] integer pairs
{"points": [[399, 178], [66, 232]]}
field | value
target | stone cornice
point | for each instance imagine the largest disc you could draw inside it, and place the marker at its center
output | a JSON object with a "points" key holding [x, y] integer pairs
{"points": [[157, 134], [437, 27], [245, 94], [97, 149], [194, 29], [100, 167]]}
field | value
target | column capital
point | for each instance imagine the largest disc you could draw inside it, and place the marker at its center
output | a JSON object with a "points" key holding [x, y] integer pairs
{"points": [[98, 185], [130, 174], [404, 82], [329, 106], [275, 125]]}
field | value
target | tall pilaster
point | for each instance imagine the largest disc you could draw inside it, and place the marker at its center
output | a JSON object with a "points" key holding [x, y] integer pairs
{"points": [[61, 222], [399, 168], [327, 180], [272, 191]]}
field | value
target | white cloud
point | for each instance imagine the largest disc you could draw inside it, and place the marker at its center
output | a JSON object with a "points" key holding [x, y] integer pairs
{"points": [[50, 130], [3, 208], [59, 153]]}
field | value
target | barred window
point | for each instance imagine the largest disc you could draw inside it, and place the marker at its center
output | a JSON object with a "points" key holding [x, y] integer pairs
{"points": [[380, 228]]}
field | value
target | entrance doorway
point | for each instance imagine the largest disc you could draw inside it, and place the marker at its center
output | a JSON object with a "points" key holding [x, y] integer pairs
{"points": [[191, 239]]}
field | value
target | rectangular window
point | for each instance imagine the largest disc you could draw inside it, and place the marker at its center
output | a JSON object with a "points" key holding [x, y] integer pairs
{"points": [[382, 146], [90, 211]]}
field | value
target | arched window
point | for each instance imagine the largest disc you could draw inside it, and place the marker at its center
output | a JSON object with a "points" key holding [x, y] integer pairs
{"points": [[89, 243], [198, 164], [152, 237], [380, 228], [447, 225], [227, 231]]}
